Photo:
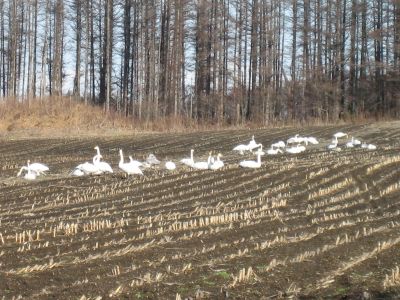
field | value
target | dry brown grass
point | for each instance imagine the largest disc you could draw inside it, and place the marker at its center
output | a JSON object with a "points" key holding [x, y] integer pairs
{"points": [[60, 116]]}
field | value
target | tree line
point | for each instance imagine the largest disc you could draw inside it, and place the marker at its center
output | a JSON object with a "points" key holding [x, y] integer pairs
{"points": [[215, 60]]}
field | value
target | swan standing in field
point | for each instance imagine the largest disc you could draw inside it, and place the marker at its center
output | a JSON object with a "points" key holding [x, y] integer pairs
{"points": [[169, 165], [134, 163], [128, 168], [252, 144], [30, 174], [202, 165], [37, 168], [101, 165], [340, 134], [218, 163], [251, 163]]}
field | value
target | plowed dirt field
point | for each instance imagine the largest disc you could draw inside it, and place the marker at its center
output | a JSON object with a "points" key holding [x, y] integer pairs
{"points": [[318, 224]]}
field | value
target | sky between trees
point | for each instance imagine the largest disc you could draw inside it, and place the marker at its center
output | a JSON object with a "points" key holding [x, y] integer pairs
{"points": [[218, 60]]}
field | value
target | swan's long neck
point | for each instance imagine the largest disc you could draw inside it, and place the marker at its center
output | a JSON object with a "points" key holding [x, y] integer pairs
{"points": [[121, 155], [259, 158], [20, 171], [96, 158], [98, 150], [191, 154]]}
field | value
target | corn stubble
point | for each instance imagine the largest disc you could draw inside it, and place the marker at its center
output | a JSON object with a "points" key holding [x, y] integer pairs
{"points": [[171, 233]]}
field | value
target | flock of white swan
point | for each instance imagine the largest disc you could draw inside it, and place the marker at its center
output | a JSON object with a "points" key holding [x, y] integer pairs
{"points": [[293, 145]]}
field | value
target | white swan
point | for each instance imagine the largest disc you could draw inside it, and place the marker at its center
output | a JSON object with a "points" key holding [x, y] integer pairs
{"points": [[152, 160], [30, 174], [241, 148], [202, 165], [252, 144], [273, 151], [311, 140], [135, 163], [77, 172], [169, 165], [87, 168], [101, 165], [334, 144], [188, 161], [368, 146], [350, 144], [128, 168], [260, 149], [251, 163], [280, 144], [294, 140], [340, 134], [296, 149], [354, 142], [218, 163]]}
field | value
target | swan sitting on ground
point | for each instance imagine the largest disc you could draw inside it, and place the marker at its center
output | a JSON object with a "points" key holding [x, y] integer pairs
{"points": [[128, 168], [273, 151], [251, 163], [296, 149], [241, 148], [102, 165], [294, 140], [354, 142], [169, 165], [368, 146], [311, 140], [218, 163], [202, 165], [260, 149], [87, 168], [280, 144], [188, 161], [152, 160]]}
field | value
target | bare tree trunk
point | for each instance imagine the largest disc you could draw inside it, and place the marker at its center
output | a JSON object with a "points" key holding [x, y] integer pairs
{"points": [[78, 36], [56, 77]]}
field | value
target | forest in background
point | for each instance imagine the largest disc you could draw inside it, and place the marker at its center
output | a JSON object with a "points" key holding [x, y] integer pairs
{"points": [[224, 61]]}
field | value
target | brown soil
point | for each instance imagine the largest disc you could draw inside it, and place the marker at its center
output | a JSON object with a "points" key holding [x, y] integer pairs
{"points": [[314, 225]]}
